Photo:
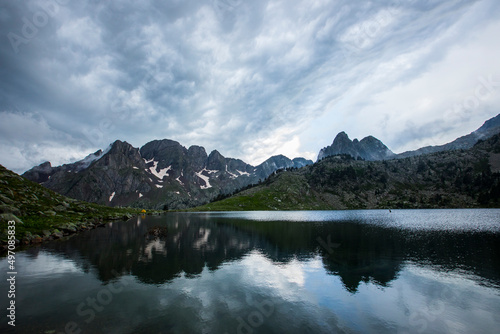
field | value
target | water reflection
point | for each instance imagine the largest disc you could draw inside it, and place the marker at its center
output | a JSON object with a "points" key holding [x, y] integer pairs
{"points": [[355, 251], [268, 273]]}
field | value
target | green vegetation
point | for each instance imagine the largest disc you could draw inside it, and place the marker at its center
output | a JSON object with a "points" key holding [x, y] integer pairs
{"points": [[289, 191], [41, 214], [451, 179]]}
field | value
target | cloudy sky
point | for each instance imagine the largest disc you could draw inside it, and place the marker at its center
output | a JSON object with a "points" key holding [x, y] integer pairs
{"points": [[248, 78]]}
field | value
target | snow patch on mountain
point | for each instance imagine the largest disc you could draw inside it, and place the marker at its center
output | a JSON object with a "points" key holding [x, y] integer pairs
{"points": [[89, 159], [243, 173], [204, 178], [231, 175], [161, 173], [178, 179]]}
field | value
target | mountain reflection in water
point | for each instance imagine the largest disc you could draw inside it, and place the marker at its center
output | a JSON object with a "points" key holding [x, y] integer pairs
{"points": [[355, 251], [267, 272]]}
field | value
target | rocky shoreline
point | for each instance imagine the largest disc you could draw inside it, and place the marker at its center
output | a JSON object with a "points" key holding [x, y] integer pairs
{"points": [[42, 215], [60, 231]]}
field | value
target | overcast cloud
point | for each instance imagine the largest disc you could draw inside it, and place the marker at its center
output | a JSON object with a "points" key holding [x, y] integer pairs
{"points": [[248, 78]]}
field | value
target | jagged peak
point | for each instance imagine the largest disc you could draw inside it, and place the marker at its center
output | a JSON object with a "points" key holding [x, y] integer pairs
{"points": [[196, 148], [118, 145], [341, 136], [215, 154], [43, 167], [491, 123], [373, 141], [165, 141], [369, 148], [45, 164], [279, 156]]}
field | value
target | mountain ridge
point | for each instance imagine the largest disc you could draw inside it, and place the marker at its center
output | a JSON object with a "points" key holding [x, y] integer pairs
{"points": [[448, 179], [372, 149], [161, 174], [487, 130]]}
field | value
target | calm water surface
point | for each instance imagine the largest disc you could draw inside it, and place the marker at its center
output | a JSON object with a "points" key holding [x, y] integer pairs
{"points": [[409, 271]]}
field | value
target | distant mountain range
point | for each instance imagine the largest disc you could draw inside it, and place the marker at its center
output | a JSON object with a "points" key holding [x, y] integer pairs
{"points": [[163, 174], [490, 128], [468, 178], [372, 149]]}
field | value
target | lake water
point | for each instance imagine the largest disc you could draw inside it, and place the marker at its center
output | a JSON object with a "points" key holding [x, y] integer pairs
{"points": [[405, 271]]}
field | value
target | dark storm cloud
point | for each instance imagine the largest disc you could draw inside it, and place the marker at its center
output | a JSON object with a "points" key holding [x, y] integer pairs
{"points": [[249, 78]]}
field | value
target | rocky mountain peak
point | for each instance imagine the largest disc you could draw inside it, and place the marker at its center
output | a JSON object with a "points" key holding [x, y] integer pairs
{"points": [[341, 137], [164, 148], [278, 162], [197, 157], [40, 173], [121, 154], [43, 167], [168, 153], [492, 123], [301, 162], [216, 161], [120, 146], [369, 148]]}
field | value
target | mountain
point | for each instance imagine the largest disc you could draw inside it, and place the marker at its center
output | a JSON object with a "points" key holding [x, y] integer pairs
{"points": [[44, 171], [372, 149], [161, 174], [369, 148], [279, 162], [449, 179], [490, 128]]}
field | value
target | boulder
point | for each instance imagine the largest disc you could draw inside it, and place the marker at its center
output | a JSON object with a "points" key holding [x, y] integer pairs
{"points": [[56, 234], [5, 217], [68, 228], [4, 208], [26, 240], [60, 208], [5, 199], [36, 239]]}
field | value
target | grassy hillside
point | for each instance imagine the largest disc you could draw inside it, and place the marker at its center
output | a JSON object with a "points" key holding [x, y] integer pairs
{"points": [[453, 179], [42, 214]]}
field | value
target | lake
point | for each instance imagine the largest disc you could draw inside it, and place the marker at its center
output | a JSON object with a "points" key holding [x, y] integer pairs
{"points": [[405, 271]]}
